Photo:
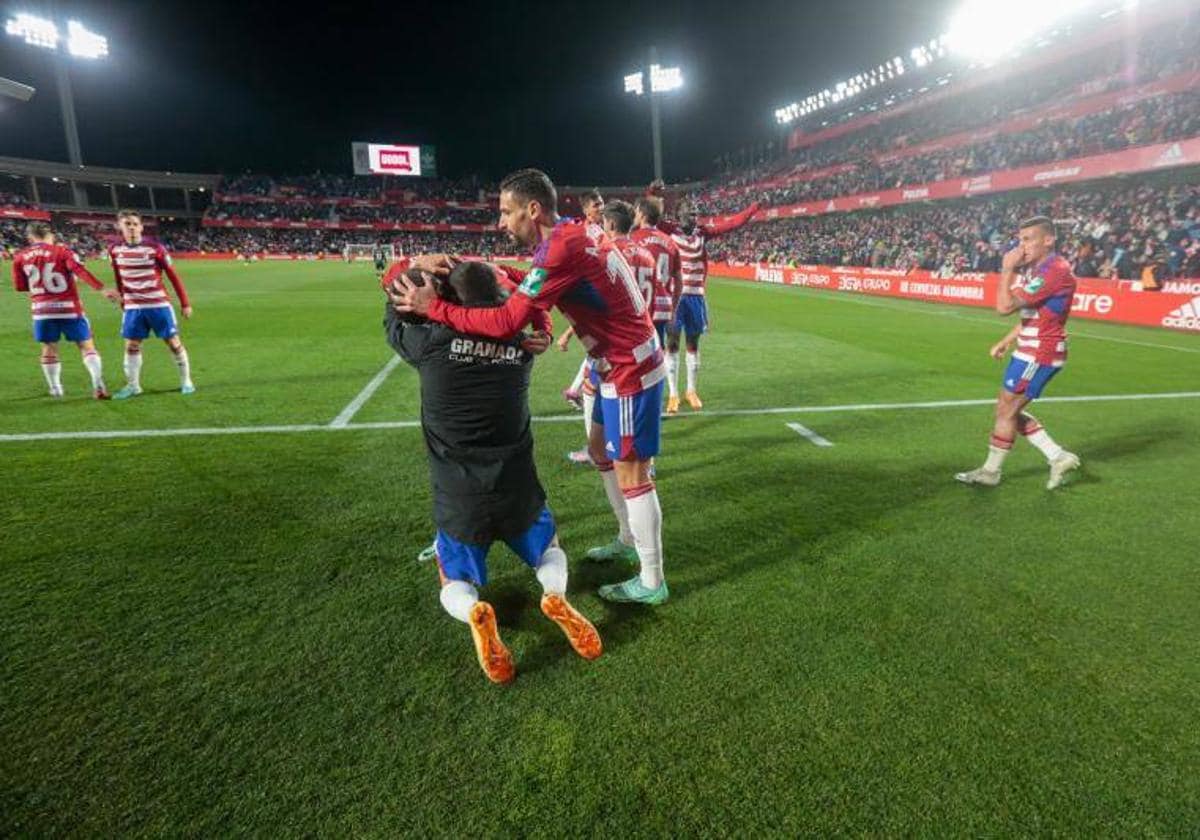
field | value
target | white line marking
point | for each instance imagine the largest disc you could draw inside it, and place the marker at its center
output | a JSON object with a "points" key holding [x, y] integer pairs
{"points": [[808, 434], [921, 307], [572, 418], [343, 419]]}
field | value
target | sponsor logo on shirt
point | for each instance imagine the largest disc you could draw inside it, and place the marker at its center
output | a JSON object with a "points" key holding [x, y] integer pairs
{"points": [[1034, 285]]}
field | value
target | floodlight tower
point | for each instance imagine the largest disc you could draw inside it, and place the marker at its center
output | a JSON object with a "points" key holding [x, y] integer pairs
{"points": [[80, 42], [662, 80]]}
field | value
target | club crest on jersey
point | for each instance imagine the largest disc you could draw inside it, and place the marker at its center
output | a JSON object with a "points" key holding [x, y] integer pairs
{"points": [[532, 285]]}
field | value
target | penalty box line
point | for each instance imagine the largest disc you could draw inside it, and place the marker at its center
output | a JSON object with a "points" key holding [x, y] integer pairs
{"points": [[116, 434]]}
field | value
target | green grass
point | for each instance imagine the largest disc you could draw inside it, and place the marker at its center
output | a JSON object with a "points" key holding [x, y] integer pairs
{"points": [[219, 635]]}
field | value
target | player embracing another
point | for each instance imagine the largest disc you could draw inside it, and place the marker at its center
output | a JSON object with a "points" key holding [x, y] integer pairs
{"points": [[691, 316], [47, 271], [475, 418], [138, 267], [593, 285], [1038, 282]]}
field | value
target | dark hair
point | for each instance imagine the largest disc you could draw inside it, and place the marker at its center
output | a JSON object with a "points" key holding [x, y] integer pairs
{"points": [[474, 284], [620, 214], [590, 197], [649, 208], [38, 230], [532, 185], [1042, 222], [126, 214]]}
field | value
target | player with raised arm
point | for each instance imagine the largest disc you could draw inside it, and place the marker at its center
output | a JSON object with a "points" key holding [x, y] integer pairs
{"points": [[1038, 282], [138, 267], [47, 271], [594, 287], [475, 417], [691, 317]]}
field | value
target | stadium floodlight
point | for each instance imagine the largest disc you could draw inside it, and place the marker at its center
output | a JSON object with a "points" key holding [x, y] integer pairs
{"points": [[662, 80], [81, 42], [983, 30], [16, 90]]}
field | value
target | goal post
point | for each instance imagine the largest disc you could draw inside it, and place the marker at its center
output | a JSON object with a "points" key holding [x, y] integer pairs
{"points": [[365, 251]]}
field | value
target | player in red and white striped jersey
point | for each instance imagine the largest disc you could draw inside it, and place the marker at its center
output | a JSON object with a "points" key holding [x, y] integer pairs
{"points": [[667, 286], [582, 391], [47, 272], [138, 267], [1039, 283], [691, 316]]}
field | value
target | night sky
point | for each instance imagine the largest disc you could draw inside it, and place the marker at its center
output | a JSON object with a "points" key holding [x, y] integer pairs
{"points": [[270, 87]]}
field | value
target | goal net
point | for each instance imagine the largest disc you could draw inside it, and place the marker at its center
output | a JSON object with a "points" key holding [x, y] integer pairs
{"points": [[357, 251]]}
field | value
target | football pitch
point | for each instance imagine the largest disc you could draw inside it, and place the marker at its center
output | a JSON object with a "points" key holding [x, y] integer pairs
{"points": [[212, 621]]}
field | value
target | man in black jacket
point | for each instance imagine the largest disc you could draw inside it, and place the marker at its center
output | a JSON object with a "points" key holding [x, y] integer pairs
{"points": [[475, 417]]}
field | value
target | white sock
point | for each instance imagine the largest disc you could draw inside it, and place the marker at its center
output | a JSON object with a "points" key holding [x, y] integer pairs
{"points": [[645, 518], [53, 373], [92, 362], [672, 374], [133, 369], [577, 382], [693, 365], [552, 571], [458, 597], [995, 458], [185, 367], [617, 500], [589, 405], [1045, 444]]}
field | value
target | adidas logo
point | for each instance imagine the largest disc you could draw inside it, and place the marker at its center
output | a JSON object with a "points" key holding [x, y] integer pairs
{"points": [[1186, 317], [1171, 154]]}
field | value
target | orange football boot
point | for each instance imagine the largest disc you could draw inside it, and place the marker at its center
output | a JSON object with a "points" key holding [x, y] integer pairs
{"points": [[579, 631], [494, 658], [693, 399], [672, 405]]}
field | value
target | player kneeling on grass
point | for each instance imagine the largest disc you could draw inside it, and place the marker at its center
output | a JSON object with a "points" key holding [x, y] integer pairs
{"points": [[475, 417], [1039, 282], [138, 267], [48, 271]]}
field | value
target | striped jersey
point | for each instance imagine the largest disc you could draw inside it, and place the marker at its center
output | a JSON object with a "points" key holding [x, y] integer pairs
{"points": [[138, 269], [666, 267], [1045, 294], [693, 253], [48, 273]]}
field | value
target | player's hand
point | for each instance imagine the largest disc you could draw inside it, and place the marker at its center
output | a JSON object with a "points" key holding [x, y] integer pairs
{"points": [[564, 341], [1014, 259], [187, 312], [537, 343], [409, 298], [113, 295], [999, 349], [439, 264]]}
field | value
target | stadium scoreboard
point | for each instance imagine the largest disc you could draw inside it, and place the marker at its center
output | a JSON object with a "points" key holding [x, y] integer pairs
{"points": [[392, 159]]}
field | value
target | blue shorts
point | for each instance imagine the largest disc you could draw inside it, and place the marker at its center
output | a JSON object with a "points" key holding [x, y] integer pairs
{"points": [[661, 327], [631, 424], [1027, 379], [48, 330], [467, 561], [692, 315], [138, 323]]}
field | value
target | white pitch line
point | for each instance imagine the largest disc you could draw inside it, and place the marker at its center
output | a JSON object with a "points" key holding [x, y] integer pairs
{"points": [[343, 419], [809, 435], [573, 418]]}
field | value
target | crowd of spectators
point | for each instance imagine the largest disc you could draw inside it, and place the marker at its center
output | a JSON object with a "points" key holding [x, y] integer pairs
{"points": [[306, 212], [320, 186], [1113, 232], [1154, 54], [11, 199]]}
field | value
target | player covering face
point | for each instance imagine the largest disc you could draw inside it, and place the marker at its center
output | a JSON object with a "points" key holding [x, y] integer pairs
{"points": [[48, 271], [1039, 283], [594, 286], [475, 417]]}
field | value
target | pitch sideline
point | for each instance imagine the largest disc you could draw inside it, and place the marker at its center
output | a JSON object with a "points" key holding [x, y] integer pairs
{"points": [[118, 434]]}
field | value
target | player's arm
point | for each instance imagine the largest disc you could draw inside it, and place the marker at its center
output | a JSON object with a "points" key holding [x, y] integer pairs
{"points": [[1000, 348], [730, 224], [164, 262], [20, 281], [79, 270], [676, 285], [510, 280], [564, 340], [112, 259]]}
